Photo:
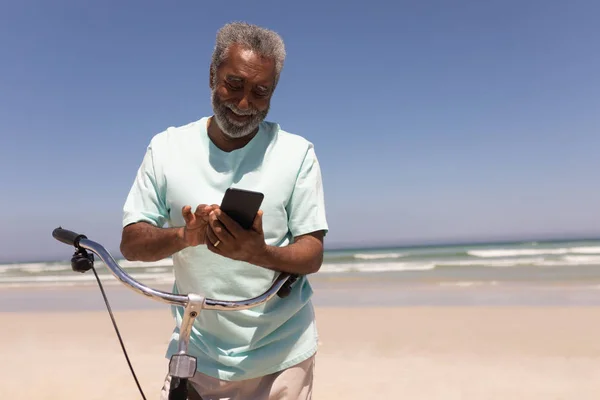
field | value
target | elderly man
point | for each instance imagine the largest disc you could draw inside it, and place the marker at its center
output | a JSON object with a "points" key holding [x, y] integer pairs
{"points": [[266, 352]]}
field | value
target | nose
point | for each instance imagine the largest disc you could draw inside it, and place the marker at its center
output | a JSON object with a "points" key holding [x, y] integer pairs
{"points": [[244, 104]]}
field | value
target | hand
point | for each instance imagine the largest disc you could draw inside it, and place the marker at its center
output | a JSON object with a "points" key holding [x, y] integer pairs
{"points": [[194, 231], [232, 240]]}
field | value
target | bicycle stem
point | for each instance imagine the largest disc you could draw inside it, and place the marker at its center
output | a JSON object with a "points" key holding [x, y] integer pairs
{"points": [[192, 310]]}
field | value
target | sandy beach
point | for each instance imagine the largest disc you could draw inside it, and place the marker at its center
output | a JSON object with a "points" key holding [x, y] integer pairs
{"points": [[365, 353]]}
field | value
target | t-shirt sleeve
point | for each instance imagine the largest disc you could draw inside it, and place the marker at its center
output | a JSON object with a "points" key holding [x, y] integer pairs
{"points": [[306, 208], [146, 199]]}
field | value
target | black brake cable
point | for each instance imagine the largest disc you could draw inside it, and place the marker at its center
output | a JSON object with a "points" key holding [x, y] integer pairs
{"points": [[117, 331]]}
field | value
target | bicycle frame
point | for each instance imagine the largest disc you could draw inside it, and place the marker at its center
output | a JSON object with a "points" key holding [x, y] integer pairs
{"points": [[182, 365]]}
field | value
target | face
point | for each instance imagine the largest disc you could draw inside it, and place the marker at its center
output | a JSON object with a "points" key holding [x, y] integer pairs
{"points": [[241, 91]]}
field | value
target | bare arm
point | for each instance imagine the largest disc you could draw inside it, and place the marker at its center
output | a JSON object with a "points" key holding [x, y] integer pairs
{"points": [[145, 242], [302, 257]]}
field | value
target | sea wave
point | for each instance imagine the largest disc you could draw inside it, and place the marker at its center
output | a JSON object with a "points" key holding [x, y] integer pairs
{"points": [[31, 267], [376, 267], [566, 261], [580, 260], [578, 256], [498, 253], [377, 256], [37, 268], [167, 262], [46, 271], [586, 250], [81, 278], [508, 262]]}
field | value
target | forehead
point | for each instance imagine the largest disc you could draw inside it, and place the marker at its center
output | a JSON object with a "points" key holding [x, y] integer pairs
{"points": [[249, 65]]}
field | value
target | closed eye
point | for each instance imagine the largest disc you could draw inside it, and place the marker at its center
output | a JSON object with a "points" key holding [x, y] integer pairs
{"points": [[262, 91], [234, 85]]}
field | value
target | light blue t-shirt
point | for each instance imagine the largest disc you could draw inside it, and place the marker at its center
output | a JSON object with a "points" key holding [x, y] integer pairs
{"points": [[182, 167]]}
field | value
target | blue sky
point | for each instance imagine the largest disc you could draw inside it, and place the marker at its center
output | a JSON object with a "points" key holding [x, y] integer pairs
{"points": [[433, 121]]}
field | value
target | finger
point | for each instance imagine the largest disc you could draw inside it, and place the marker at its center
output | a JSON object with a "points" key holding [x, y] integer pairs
{"points": [[232, 226], [189, 218], [211, 236], [210, 209], [210, 240], [223, 234], [257, 223], [203, 211], [200, 211]]}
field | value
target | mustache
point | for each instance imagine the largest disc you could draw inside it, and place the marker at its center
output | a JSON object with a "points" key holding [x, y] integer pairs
{"points": [[235, 109]]}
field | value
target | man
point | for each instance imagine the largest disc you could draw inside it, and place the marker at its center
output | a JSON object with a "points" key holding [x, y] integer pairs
{"points": [[266, 352]]}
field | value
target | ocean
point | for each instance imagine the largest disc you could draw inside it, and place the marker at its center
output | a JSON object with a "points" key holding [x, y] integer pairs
{"points": [[467, 264]]}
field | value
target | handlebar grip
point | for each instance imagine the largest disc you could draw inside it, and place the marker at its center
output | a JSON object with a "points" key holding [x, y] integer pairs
{"points": [[67, 237]]}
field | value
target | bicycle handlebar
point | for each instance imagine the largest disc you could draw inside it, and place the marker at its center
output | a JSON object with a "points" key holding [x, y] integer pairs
{"points": [[81, 241], [182, 365], [67, 237]]}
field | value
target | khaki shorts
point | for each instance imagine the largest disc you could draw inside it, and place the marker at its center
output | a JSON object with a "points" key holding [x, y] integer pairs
{"points": [[294, 383]]}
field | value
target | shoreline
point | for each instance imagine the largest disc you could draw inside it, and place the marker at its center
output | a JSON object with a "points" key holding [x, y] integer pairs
{"points": [[338, 292]]}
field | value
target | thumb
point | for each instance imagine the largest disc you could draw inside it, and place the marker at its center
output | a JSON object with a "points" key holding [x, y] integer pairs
{"points": [[257, 224]]}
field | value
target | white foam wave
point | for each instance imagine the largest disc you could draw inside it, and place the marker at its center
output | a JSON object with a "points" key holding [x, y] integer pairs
{"points": [[579, 260], [508, 262], [515, 252], [167, 262], [33, 267], [586, 250], [53, 273], [72, 279], [498, 253], [37, 268], [378, 256], [566, 261], [380, 267], [469, 283]]}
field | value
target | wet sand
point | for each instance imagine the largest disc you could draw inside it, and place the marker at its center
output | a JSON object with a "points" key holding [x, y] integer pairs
{"points": [[373, 291]]}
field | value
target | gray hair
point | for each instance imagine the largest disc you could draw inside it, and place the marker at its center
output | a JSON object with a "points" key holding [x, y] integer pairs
{"points": [[263, 41]]}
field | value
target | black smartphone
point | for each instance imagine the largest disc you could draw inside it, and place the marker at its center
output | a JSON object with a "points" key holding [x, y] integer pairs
{"points": [[242, 205]]}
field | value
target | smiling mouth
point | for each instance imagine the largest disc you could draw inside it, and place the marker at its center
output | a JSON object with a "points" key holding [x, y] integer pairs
{"points": [[239, 116]]}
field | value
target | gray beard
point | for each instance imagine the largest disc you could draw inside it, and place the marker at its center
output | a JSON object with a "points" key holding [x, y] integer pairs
{"points": [[232, 128]]}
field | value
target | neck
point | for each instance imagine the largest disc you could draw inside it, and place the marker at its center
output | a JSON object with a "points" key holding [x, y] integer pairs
{"points": [[223, 141]]}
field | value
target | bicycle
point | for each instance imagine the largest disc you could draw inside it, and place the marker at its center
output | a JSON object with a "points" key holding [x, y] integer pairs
{"points": [[182, 365]]}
